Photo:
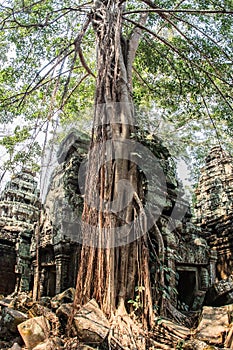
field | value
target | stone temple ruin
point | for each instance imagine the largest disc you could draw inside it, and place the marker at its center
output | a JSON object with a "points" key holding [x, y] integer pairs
{"points": [[40, 253], [19, 211], [214, 207], [59, 242]]}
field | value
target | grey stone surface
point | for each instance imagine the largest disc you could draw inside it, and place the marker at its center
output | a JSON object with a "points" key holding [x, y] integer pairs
{"points": [[214, 207], [19, 211]]}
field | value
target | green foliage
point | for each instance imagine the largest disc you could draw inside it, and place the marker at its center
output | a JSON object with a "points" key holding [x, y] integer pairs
{"points": [[182, 77], [136, 303], [182, 306], [9, 142], [21, 151], [186, 70], [167, 290], [180, 345]]}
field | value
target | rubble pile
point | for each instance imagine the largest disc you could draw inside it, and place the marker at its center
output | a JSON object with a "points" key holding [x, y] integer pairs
{"points": [[33, 325], [45, 325]]}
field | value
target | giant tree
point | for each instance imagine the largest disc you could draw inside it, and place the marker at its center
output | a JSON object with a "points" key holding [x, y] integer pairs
{"points": [[173, 57]]}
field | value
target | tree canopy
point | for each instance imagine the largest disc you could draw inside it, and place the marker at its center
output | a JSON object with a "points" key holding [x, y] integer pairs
{"points": [[182, 72]]}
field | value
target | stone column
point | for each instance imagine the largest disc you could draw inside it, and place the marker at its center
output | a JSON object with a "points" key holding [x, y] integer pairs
{"points": [[36, 277], [172, 268], [204, 279], [62, 265], [213, 261], [42, 280]]}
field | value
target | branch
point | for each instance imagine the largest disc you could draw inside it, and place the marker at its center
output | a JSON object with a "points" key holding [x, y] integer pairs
{"points": [[175, 7], [84, 64], [146, 83], [64, 10], [30, 89], [143, 80], [206, 107], [78, 48], [170, 63], [211, 119], [204, 34], [184, 57], [133, 44], [60, 60], [190, 11], [219, 91], [72, 91], [18, 97], [194, 46]]}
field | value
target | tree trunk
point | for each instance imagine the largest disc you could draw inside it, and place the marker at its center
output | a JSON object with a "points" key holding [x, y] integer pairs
{"points": [[114, 257]]}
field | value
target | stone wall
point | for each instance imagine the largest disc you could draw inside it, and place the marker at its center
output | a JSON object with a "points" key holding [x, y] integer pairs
{"points": [[19, 210], [59, 233], [189, 264], [214, 207], [7, 267]]}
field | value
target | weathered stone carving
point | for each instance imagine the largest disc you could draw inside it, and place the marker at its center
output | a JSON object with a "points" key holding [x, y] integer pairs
{"points": [[214, 207], [59, 233], [19, 210]]}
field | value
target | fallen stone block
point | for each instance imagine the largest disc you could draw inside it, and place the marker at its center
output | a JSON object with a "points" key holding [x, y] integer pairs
{"points": [[50, 344], [168, 333], [194, 344], [221, 293], [34, 331], [40, 310], [63, 313], [12, 318], [21, 302], [15, 346], [45, 301], [5, 302], [72, 343], [213, 325], [65, 297], [91, 324]]}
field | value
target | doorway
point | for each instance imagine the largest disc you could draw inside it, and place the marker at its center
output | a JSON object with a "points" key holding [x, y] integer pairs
{"points": [[187, 286]]}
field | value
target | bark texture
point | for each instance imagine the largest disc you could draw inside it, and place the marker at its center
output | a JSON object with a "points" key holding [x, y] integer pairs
{"points": [[114, 258]]}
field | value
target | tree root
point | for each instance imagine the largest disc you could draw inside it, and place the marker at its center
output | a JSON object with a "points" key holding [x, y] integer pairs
{"points": [[127, 333]]}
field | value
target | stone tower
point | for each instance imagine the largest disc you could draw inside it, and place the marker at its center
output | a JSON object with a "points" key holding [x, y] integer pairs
{"points": [[214, 208], [19, 208], [57, 250]]}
